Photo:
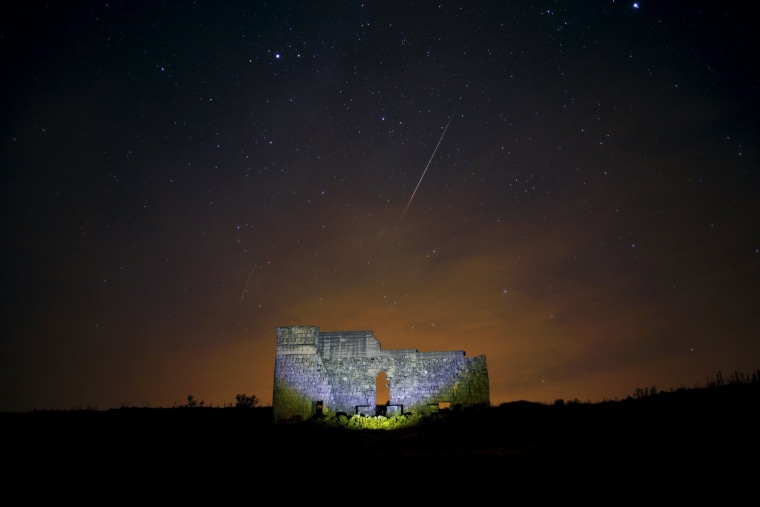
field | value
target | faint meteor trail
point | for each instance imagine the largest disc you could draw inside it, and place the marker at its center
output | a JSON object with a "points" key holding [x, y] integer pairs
{"points": [[429, 161], [247, 282]]}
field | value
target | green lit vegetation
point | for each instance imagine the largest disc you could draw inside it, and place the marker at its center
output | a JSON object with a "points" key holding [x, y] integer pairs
{"points": [[358, 422]]}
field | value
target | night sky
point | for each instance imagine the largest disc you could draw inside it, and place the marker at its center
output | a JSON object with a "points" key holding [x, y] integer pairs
{"points": [[178, 179]]}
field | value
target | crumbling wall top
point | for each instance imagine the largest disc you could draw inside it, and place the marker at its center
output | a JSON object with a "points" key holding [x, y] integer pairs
{"points": [[347, 344]]}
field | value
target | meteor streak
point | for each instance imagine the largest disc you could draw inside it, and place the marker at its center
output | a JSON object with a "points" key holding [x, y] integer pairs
{"points": [[247, 282], [428, 164]]}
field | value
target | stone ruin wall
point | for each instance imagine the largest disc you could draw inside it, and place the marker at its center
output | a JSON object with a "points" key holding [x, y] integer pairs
{"points": [[340, 370]]}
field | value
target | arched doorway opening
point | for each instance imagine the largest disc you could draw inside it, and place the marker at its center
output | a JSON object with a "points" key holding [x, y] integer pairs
{"points": [[382, 393]]}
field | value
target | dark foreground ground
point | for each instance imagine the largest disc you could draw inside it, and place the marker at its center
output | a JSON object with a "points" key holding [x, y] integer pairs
{"points": [[683, 444]]}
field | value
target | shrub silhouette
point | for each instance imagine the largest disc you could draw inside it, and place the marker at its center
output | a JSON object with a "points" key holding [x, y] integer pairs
{"points": [[243, 401]]}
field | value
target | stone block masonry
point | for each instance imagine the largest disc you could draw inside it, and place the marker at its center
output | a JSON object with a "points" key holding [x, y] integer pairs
{"points": [[330, 372]]}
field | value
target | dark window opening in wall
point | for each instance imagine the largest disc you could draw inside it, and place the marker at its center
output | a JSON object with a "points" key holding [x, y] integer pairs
{"points": [[444, 405], [382, 393]]}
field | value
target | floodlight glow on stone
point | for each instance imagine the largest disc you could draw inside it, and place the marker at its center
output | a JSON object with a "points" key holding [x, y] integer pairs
{"points": [[319, 373]]}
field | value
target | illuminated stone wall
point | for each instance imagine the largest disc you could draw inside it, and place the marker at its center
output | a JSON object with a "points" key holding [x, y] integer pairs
{"points": [[340, 369]]}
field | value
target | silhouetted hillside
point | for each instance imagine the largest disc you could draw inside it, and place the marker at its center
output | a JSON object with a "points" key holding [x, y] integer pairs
{"points": [[697, 433]]}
